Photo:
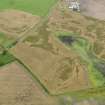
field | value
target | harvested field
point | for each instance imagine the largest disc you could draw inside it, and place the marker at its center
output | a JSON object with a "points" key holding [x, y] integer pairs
{"points": [[18, 88], [58, 68], [15, 23], [5, 58]]}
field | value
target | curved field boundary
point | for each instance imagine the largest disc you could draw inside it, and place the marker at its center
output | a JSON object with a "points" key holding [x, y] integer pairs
{"points": [[34, 77]]}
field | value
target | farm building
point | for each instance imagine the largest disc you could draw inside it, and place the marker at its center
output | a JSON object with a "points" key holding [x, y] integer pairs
{"points": [[73, 5]]}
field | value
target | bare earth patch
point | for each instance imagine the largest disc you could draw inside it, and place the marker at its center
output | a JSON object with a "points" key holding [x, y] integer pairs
{"points": [[15, 23], [17, 88]]}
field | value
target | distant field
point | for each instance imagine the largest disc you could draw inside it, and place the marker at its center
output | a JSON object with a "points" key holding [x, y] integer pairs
{"points": [[37, 7]]}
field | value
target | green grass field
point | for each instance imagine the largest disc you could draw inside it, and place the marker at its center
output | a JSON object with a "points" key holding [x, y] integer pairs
{"points": [[36, 7]]}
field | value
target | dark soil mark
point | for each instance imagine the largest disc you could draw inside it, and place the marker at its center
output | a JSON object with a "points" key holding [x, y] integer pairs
{"points": [[67, 39]]}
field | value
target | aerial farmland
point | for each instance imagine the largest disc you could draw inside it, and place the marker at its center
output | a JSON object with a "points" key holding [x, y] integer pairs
{"points": [[52, 52]]}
